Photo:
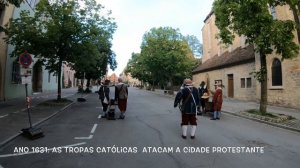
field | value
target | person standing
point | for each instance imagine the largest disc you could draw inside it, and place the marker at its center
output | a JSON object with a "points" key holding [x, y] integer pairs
{"points": [[203, 93], [217, 101], [104, 96], [121, 96], [190, 100]]}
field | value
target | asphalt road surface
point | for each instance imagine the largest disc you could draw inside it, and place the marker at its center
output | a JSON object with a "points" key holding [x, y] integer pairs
{"points": [[150, 136]]}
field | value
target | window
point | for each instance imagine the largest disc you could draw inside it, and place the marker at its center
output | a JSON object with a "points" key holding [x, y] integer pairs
{"points": [[276, 73], [16, 74], [249, 83], [246, 82], [242, 82]]}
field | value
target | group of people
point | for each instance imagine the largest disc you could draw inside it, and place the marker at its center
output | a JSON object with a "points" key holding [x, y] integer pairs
{"points": [[190, 98], [121, 95]]}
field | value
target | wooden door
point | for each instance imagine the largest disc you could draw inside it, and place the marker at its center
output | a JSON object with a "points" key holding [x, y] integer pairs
{"points": [[230, 86]]}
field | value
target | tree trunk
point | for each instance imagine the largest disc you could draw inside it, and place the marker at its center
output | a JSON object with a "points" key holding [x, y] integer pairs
{"points": [[296, 18], [88, 83], [264, 84], [59, 80]]}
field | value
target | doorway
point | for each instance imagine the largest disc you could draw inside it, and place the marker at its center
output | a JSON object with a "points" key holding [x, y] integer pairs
{"points": [[230, 85], [37, 77]]}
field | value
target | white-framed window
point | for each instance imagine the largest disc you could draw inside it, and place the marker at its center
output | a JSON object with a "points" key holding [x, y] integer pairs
{"points": [[246, 82]]}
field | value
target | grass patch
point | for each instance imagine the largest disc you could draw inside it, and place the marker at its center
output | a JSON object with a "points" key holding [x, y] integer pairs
{"points": [[257, 112]]}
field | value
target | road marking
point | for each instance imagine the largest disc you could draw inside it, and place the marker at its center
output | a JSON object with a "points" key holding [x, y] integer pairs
{"points": [[89, 137], [3, 117], [1, 166], [94, 128], [27, 153], [99, 116]]}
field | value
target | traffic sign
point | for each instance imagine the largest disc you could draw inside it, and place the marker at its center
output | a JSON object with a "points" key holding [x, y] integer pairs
{"points": [[25, 59]]}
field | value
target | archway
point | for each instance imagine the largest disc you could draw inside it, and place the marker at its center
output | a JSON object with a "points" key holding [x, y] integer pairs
{"points": [[37, 77]]}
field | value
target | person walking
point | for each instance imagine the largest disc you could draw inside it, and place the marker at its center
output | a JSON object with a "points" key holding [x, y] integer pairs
{"points": [[217, 101], [190, 100], [203, 95], [121, 96], [104, 96]]}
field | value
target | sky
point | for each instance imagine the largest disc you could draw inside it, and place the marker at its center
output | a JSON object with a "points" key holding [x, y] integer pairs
{"points": [[135, 17]]}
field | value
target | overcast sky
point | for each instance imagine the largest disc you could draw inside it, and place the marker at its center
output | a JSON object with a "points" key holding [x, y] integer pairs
{"points": [[135, 17]]}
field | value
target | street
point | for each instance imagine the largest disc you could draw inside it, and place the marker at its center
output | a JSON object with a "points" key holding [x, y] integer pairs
{"points": [[150, 136]]}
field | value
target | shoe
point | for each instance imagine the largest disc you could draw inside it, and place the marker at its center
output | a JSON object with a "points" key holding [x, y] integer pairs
{"points": [[184, 137], [122, 117], [212, 119], [193, 137], [218, 118]]}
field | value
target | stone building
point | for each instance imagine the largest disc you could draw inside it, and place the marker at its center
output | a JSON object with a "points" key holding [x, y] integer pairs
{"points": [[11, 86], [69, 79], [232, 67]]}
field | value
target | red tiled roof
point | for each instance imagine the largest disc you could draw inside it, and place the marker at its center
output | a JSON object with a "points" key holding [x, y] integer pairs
{"points": [[238, 56]]}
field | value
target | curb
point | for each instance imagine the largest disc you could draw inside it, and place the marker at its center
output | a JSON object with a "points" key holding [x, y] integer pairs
{"points": [[265, 122], [2, 144], [249, 118]]}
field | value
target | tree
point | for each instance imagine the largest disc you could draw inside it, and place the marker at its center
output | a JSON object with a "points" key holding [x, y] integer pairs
{"points": [[166, 55], [57, 32], [137, 69], [253, 20], [195, 45], [4, 3], [94, 53], [295, 8]]}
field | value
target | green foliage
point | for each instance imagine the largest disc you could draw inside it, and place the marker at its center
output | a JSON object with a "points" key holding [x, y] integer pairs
{"points": [[252, 19], [65, 32], [194, 44], [165, 57], [260, 75], [4, 3]]}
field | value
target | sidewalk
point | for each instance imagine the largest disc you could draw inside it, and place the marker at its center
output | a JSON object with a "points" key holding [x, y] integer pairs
{"points": [[14, 115], [237, 107]]}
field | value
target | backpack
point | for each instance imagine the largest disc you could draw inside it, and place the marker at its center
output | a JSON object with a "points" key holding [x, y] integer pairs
{"points": [[122, 92]]}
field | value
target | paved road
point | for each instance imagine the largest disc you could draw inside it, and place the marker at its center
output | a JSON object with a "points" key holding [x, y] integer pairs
{"points": [[150, 136]]}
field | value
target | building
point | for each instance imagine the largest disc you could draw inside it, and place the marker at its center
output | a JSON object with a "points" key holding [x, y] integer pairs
{"points": [[232, 67], [69, 79], [41, 80]]}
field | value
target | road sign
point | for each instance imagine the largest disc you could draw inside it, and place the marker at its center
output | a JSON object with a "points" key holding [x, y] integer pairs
{"points": [[26, 71], [25, 59]]}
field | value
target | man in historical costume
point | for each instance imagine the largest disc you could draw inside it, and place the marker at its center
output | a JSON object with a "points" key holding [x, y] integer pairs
{"points": [[217, 101], [189, 98], [104, 96], [121, 96]]}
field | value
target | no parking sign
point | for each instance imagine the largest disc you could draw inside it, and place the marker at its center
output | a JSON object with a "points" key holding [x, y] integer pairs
{"points": [[25, 59]]}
